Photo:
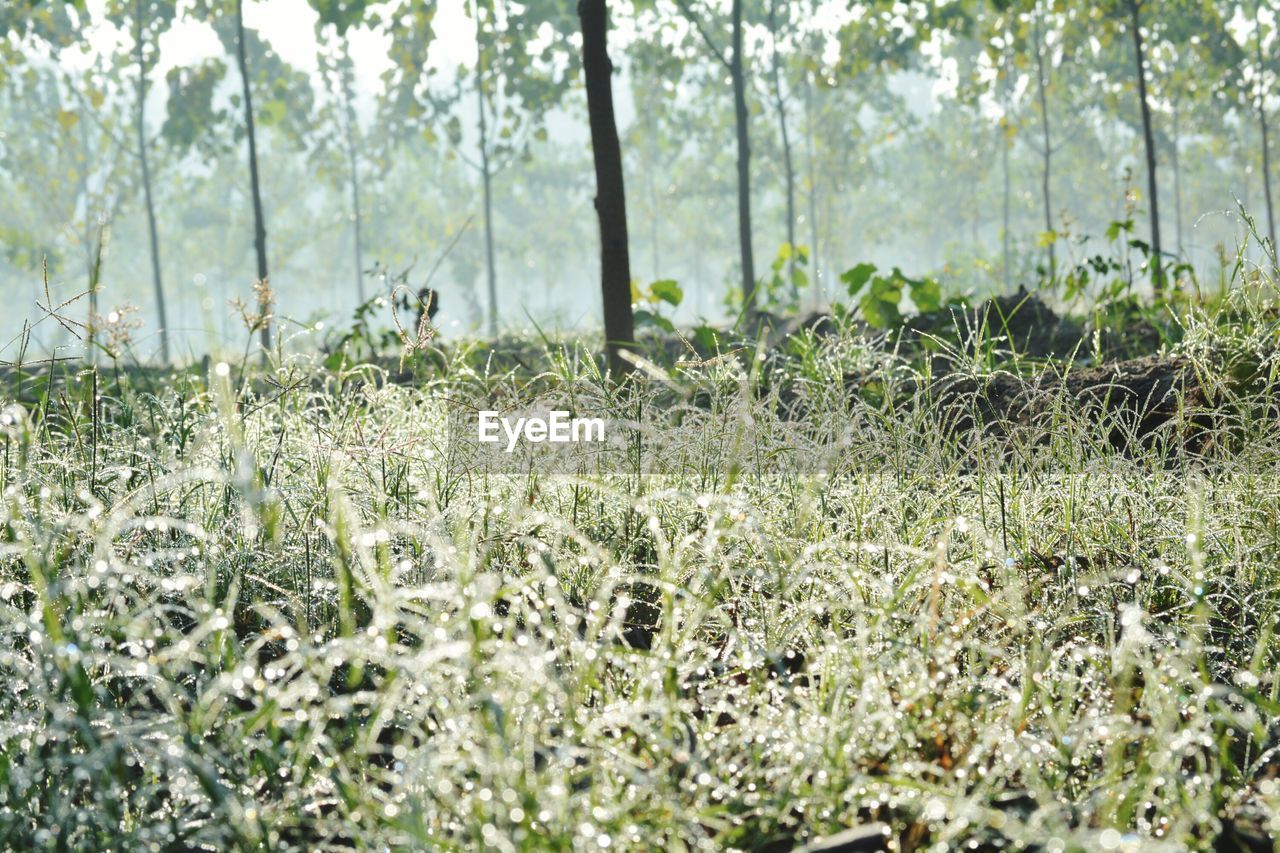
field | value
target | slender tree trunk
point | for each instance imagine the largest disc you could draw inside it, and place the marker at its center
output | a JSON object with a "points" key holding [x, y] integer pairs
{"points": [[1177, 181], [611, 199], [353, 162], [1157, 272], [95, 281], [1262, 125], [654, 247], [1245, 181], [356, 217], [741, 116], [1047, 148], [788, 167], [156, 278], [259, 227], [815, 255], [92, 249], [1004, 164], [486, 174], [974, 215]]}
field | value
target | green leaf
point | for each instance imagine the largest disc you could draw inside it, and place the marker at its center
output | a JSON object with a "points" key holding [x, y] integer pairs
{"points": [[857, 278], [882, 315], [880, 304], [926, 294], [1114, 229], [648, 318], [668, 291]]}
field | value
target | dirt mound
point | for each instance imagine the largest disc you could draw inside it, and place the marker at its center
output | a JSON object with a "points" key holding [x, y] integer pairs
{"points": [[1024, 323], [1137, 399]]}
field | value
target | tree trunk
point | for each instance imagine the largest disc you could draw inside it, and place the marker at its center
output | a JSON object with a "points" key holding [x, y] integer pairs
{"points": [[259, 228], [356, 220], [1004, 163], [654, 246], [1262, 125], [92, 250], [741, 116], [486, 174], [1157, 272], [815, 256], [611, 199], [354, 165], [1047, 149], [156, 279], [974, 220], [1177, 182], [788, 167], [1246, 183]]}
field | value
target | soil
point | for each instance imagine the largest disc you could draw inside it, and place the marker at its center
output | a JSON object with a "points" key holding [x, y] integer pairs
{"points": [[1025, 322], [1139, 398]]}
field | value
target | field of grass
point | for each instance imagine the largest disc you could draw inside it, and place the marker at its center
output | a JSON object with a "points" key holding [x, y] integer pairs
{"points": [[802, 590]]}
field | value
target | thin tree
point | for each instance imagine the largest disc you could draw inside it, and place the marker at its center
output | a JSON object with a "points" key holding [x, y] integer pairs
{"points": [[353, 164], [1006, 142], [815, 253], [334, 25], [1046, 150], [486, 177], [611, 199], [740, 115], [1175, 154], [735, 64], [1262, 124], [788, 169], [259, 227], [139, 48], [1148, 138]]}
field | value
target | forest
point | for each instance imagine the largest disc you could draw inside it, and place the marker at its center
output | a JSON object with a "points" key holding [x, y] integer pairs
{"points": [[762, 425]]}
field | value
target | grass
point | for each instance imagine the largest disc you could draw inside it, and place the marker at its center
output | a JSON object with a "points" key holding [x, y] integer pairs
{"points": [[292, 607]]}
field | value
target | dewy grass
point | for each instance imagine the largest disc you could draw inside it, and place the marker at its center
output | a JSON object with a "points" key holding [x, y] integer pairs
{"points": [[285, 612]]}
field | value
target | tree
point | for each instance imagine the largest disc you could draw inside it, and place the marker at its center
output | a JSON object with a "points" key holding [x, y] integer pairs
{"points": [[286, 103], [735, 63], [789, 172], [1149, 144], [1262, 87], [1046, 138], [1029, 46], [147, 19], [522, 68], [140, 50], [69, 162], [1192, 70], [336, 19], [45, 22], [259, 226], [611, 200]]}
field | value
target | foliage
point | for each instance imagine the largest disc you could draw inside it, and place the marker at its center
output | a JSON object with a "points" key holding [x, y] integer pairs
{"points": [[647, 302], [880, 303]]}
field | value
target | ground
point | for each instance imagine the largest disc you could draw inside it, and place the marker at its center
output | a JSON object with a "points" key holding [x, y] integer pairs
{"points": [[838, 585]]}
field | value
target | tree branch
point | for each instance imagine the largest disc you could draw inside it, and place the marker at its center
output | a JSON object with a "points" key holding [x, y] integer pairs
{"points": [[706, 36]]}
